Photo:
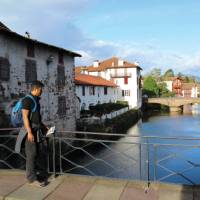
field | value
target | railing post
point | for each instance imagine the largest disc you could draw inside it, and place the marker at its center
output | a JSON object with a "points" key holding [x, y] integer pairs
{"points": [[140, 146], [54, 156], [60, 152], [148, 170], [155, 161]]}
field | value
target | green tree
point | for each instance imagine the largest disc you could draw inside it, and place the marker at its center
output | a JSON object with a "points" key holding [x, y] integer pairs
{"points": [[163, 91], [150, 87], [156, 73], [180, 74], [169, 73]]}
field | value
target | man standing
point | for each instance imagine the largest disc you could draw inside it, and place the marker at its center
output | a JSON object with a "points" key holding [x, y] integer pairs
{"points": [[35, 144]]}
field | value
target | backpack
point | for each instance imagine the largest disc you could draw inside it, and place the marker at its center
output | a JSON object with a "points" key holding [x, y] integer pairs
{"points": [[16, 114]]}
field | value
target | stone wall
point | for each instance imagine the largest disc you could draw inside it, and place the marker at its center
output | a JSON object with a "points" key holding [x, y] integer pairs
{"points": [[14, 50]]}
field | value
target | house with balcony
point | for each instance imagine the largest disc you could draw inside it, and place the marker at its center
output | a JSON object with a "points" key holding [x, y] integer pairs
{"points": [[126, 75], [24, 60]]}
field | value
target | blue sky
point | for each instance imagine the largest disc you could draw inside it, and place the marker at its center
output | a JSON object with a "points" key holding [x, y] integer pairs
{"points": [[155, 33]]}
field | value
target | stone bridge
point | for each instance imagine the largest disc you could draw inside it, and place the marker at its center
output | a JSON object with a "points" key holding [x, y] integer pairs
{"points": [[175, 103]]}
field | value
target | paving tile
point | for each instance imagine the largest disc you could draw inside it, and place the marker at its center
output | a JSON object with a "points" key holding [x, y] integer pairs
{"points": [[106, 189], [196, 195], [133, 193], [72, 188], [174, 195], [34, 193], [9, 183]]}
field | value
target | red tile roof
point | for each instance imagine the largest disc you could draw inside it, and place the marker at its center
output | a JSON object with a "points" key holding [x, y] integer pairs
{"points": [[79, 69], [111, 63], [84, 79]]}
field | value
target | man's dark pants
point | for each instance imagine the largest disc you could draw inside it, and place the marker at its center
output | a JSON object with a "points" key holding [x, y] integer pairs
{"points": [[36, 159]]}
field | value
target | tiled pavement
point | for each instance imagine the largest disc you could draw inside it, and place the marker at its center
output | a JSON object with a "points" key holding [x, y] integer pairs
{"points": [[13, 186]]}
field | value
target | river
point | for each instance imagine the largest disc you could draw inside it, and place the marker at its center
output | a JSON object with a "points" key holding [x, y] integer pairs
{"points": [[168, 163]]}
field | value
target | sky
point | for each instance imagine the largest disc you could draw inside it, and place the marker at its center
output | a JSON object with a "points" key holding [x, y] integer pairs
{"points": [[154, 33]]}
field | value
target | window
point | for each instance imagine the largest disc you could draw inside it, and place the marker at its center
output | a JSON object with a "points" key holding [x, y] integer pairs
{"points": [[105, 90], [92, 90], [61, 106], [83, 106], [126, 80], [30, 71], [60, 58], [30, 49], [60, 76], [83, 90], [4, 69], [125, 93]]}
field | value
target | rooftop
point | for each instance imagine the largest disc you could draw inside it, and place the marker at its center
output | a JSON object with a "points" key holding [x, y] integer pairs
{"points": [[5, 30], [108, 64], [84, 79]]}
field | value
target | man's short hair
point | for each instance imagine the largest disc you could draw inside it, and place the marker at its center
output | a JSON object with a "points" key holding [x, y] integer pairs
{"points": [[36, 85]]}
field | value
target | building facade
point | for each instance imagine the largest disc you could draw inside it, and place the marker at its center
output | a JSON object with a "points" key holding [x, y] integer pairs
{"points": [[23, 60], [93, 90], [181, 88], [122, 73]]}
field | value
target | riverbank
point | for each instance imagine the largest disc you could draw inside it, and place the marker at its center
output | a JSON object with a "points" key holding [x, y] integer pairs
{"points": [[119, 124]]}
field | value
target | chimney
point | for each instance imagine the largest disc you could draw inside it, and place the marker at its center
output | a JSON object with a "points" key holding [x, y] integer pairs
{"points": [[120, 62], [27, 34], [96, 63]]}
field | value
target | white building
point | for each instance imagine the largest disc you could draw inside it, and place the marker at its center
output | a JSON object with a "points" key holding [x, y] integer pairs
{"points": [[23, 60], [93, 90], [190, 90], [124, 74]]}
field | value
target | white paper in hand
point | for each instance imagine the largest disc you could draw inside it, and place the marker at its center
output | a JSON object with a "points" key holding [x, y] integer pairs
{"points": [[50, 131]]}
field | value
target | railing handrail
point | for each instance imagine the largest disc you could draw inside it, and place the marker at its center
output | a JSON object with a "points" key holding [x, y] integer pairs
{"points": [[118, 135]]}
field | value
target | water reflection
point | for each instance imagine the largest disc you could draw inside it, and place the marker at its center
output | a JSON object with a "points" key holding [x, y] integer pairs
{"points": [[171, 160]]}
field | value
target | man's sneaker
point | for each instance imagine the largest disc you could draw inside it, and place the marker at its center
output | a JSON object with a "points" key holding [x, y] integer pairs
{"points": [[37, 184]]}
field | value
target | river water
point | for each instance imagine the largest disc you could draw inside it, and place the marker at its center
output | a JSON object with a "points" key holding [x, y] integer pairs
{"points": [[170, 160]]}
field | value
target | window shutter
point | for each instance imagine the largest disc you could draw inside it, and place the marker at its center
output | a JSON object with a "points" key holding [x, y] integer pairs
{"points": [[4, 69], [30, 71], [60, 76], [61, 106]]}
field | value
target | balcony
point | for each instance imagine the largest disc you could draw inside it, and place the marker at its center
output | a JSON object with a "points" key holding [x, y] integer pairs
{"points": [[120, 75]]}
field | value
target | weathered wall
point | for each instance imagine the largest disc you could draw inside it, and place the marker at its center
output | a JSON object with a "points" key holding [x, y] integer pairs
{"points": [[15, 51]]}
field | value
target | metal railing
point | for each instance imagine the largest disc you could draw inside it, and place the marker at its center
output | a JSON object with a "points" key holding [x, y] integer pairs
{"points": [[148, 158]]}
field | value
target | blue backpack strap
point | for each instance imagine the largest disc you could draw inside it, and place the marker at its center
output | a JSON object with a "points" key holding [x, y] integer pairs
{"points": [[30, 96]]}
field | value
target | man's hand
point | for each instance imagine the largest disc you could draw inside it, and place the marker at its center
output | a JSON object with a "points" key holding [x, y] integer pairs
{"points": [[30, 137]]}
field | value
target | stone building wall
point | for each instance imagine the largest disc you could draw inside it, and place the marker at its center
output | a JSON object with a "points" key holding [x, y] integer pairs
{"points": [[14, 51]]}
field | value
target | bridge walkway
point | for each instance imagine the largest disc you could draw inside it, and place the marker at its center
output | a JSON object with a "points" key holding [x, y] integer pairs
{"points": [[13, 186]]}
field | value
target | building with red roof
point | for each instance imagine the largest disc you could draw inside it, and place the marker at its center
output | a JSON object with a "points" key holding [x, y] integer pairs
{"points": [[121, 77]]}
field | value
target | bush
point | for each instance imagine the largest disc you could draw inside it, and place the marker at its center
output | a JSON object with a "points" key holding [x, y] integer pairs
{"points": [[105, 108], [119, 124]]}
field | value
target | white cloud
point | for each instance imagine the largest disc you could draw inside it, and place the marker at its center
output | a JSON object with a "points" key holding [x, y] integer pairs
{"points": [[52, 22], [148, 56]]}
